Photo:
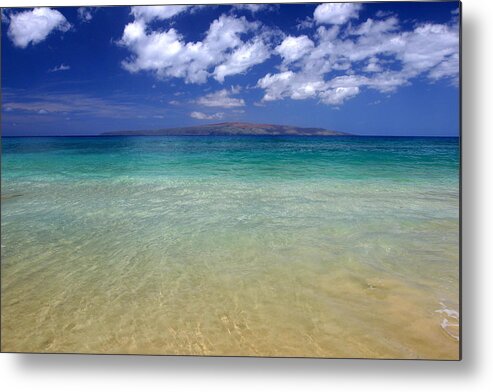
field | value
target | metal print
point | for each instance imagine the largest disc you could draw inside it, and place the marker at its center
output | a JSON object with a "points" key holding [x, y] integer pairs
{"points": [[273, 180]]}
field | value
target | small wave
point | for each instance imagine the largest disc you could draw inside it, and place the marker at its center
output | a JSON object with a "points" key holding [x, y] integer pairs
{"points": [[450, 322]]}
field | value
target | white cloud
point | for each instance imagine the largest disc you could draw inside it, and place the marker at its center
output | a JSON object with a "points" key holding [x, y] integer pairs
{"points": [[384, 82], [224, 33], [336, 13], [372, 65], [204, 116], [446, 69], [371, 27], [61, 67], [388, 56], [243, 58], [304, 24], [383, 14], [167, 54], [148, 13], [235, 89], [291, 85], [85, 13], [34, 26], [294, 48], [332, 64], [428, 46], [5, 16], [276, 86], [222, 98], [336, 96], [253, 8]]}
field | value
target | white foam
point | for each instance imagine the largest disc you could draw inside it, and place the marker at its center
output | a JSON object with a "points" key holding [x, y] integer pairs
{"points": [[450, 321]]}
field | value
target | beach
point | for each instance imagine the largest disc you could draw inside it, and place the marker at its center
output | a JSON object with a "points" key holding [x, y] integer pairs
{"points": [[260, 246]]}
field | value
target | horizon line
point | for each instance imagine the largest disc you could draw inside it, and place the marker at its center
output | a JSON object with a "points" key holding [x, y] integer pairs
{"points": [[241, 135]]}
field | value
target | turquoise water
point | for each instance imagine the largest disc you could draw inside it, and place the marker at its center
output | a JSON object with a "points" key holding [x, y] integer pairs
{"points": [[278, 246]]}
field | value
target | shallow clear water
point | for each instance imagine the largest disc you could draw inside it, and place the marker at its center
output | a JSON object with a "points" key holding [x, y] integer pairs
{"points": [[276, 246]]}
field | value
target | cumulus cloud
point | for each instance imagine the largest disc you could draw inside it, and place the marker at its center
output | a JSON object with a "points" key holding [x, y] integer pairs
{"points": [[276, 86], [336, 13], [289, 84], [428, 46], [32, 27], [334, 61], [204, 116], [61, 67], [376, 54], [243, 58], [294, 48], [222, 98], [166, 53]]}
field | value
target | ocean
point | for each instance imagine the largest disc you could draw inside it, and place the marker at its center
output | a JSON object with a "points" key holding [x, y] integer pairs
{"points": [[248, 245]]}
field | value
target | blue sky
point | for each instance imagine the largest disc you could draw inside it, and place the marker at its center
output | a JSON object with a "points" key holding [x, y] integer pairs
{"points": [[370, 68]]}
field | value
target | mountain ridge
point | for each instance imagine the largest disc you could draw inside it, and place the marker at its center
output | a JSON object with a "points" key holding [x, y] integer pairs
{"points": [[232, 129]]}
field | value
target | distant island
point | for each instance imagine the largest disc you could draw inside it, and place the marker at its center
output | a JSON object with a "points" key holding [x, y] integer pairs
{"points": [[231, 128]]}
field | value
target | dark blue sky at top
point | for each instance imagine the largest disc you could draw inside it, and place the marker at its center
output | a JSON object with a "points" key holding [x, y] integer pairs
{"points": [[112, 98]]}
